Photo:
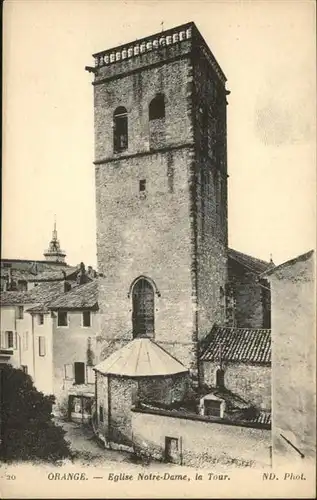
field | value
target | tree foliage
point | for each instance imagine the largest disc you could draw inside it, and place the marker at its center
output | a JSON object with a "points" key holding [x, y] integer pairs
{"points": [[27, 428]]}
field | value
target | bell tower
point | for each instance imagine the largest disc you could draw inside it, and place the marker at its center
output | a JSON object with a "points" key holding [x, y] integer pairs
{"points": [[161, 191], [54, 252]]}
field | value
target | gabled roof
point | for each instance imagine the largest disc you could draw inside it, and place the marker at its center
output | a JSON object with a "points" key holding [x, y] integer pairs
{"points": [[14, 298], [140, 358], [244, 345], [79, 297], [44, 294], [301, 258], [252, 263]]}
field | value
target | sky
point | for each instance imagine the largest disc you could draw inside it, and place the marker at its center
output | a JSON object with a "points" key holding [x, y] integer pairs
{"points": [[267, 51]]}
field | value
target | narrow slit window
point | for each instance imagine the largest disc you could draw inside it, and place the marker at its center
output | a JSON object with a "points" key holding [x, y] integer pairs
{"points": [[42, 350], [40, 319], [142, 185]]}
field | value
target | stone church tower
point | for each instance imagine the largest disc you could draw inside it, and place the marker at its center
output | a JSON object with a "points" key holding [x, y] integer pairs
{"points": [[161, 191]]}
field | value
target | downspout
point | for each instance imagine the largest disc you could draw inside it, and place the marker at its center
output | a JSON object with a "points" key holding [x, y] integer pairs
{"points": [[109, 410], [193, 228], [33, 346]]}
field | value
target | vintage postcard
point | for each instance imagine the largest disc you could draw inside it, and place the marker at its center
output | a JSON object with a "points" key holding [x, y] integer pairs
{"points": [[158, 249]]}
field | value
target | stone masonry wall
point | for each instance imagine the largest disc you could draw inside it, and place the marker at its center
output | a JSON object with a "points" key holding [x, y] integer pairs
{"points": [[148, 234], [249, 312], [209, 115], [251, 382]]}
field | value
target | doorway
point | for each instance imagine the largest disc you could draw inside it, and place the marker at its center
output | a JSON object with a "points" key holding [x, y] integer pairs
{"points": [[172, 450]]}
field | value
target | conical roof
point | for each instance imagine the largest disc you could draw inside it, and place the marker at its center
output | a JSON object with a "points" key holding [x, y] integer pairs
{"points": [[140, 358]]}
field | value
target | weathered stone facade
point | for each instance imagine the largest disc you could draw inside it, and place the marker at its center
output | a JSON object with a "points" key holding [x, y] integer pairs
{"points": [[174, 231], [249, 294], [251, 382], [115, 397]]}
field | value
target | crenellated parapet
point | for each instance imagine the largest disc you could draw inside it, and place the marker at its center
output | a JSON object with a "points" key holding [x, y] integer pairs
{"points": [[147, 44], [169, 44]]}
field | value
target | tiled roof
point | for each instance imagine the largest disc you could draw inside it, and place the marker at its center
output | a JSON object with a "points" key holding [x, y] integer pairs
{"points": [[252, 263], [38, 295], [263, 417], [244, 345], [44, 294], [140, 358], [14, 298], [79, 297]]}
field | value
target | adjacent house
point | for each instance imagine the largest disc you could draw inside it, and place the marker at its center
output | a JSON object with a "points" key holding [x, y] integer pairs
{"points": [[49, 332], [293, 288]]}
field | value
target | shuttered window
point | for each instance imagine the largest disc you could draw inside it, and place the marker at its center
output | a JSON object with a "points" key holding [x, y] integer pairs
{"points": [[42, 347], [69, 371]]}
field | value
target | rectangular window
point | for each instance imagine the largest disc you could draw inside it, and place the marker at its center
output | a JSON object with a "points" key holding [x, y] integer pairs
{"points": [[100, 413], [62, 319], [86, 319], [69, 372], [142, 185], [24, 368], [10, 341], [25, 341], [40, 319], [79, 369], [20, 312], [42, 351]]}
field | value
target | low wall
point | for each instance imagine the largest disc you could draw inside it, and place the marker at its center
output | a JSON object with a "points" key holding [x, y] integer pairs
{"points": [[202, 443]]}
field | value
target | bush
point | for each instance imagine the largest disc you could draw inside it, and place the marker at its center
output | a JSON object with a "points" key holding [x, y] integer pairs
{"points": [[27, 428]]}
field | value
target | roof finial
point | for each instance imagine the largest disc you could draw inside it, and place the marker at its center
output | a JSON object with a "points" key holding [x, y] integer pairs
{"points": [[162, 25], [271, 258]]}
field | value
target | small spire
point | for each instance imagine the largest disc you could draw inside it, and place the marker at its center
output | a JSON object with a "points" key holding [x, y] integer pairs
{"points": [[271, 258], [54, 252], [55, 230], [162, 25]]}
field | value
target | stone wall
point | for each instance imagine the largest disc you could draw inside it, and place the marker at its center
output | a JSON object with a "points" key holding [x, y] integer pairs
{"points": [[248, 297], [251, 382], [174, 231], [117, 395], [209, 118], [146, 234], [202, 443], [167, 390]]}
